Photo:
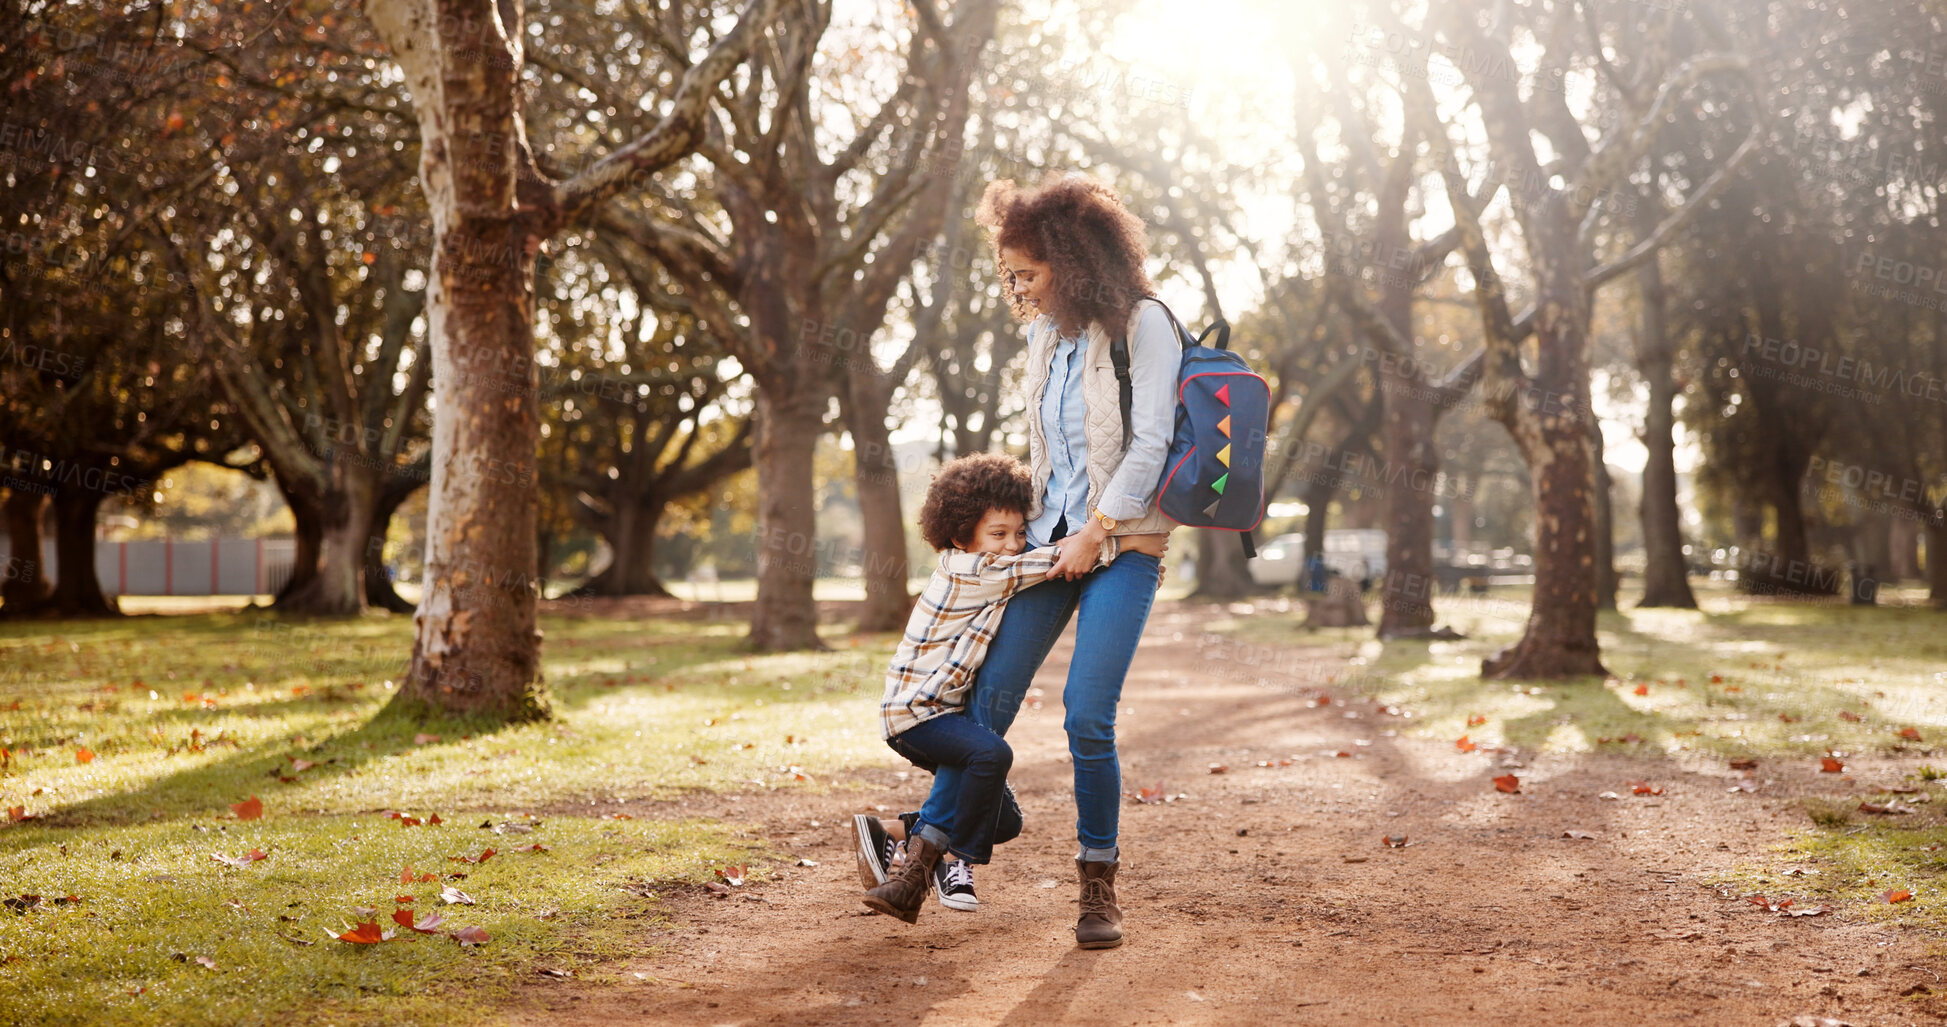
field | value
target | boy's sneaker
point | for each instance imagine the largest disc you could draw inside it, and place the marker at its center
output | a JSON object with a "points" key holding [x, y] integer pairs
{"points": [[875, 849], [953, 883]]}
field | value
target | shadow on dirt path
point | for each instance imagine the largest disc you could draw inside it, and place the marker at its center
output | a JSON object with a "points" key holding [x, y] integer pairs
{"points": [[1265, 893]]}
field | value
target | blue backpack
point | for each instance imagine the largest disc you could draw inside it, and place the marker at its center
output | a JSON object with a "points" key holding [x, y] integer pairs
{"points": [[1214, 474]]}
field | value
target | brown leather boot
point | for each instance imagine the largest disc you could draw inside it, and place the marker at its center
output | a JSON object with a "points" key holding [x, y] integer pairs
{"points": [[905, 889], [1101, 924]]}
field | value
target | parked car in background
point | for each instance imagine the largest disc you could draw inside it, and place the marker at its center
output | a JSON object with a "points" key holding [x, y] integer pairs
{"points": [[1355, 553]]}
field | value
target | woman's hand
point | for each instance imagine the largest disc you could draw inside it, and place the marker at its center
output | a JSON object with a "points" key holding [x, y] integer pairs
{"points": [[1156, 544], [1079, 551]]}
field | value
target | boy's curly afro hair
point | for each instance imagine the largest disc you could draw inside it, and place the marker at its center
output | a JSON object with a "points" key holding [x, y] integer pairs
{"points": [[965, 489]]}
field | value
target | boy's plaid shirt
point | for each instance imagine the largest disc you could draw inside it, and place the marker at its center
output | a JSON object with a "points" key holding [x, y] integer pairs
{"points": [[951, 627]]}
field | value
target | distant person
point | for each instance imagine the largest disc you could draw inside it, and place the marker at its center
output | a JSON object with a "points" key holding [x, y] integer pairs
{"points": [[1315, 573], [1365, 576]]}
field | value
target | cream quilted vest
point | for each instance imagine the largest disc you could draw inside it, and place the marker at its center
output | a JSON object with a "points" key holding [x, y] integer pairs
{"points": [[1101, 417]]}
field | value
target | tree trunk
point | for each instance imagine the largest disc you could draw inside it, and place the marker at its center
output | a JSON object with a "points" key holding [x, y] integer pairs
{"points": [[1222, 571], [308, 535], [1605, 523], [1560, 639], [336, 587], [24, 585], [478, 648], [1903, 549], [631, 536], [379, 592], [1665, 571], [1406, 594], [1937, 563], [790, 416], [77, 589], [1319, 490], [876, 477]]}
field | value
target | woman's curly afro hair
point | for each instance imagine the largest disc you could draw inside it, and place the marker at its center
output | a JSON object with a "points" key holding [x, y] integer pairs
{"points": [[1091, 243], [965, 489]]}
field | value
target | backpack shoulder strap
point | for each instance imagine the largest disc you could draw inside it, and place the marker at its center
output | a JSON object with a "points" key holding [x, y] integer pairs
{"points": [[1125, 385]]}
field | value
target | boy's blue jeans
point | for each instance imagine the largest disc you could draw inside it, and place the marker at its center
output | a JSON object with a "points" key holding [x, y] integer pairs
{"points": [[981, 811], [1114, 604]]}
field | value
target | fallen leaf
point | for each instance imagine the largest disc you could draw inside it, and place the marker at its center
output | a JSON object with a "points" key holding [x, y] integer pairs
{"points": [[19, 813], [1851, 716], [484, 856], [1475, 720], [803, 862], [1831, 765], [1218, 768], [405, 900], [1464, 745], [1744, 764], [428, 924], [620, 816], [538, 847], [1508, 783], [406, 876], [1642, 689], [453, 896], [1394, 841], [470, 936], [299, 766], [559, 975], [732, 875], [1643, 788], [249, 809], [1148, 796], [1809, 911], [240, 861], [1888, 809], [1910, 734], [367, 933], [1896, 895], [84, 755], [206, 961], [1580, 836]]}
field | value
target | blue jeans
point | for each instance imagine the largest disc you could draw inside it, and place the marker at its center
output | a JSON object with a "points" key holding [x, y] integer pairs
{"points": [[979, 761], [1114, 604]]}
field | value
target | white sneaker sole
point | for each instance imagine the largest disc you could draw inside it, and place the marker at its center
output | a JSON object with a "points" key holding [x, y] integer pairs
{"points": [[871, 874], [963, 903]]}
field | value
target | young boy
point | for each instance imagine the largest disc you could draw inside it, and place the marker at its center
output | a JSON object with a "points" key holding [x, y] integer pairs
{"points": [[975, 516]]}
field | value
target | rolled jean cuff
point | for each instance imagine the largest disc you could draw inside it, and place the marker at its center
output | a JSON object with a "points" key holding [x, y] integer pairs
{"points": [[934, 836], [1108, 855]]}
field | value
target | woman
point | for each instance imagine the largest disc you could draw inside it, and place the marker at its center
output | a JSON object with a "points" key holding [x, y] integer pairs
{"points": [[1071, 260]]}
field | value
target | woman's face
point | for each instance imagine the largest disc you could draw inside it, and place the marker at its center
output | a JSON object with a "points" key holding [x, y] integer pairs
{"points": [[1034, 283]]}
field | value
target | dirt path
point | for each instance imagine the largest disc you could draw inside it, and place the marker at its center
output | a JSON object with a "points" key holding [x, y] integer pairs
{"points": [[1267, 894]]}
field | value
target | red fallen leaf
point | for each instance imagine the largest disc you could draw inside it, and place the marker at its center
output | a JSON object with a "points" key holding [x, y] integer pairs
{"points": [[733, 875], [422, 738], [1643, 689], [1896, 895], [249, 809], [1148, 796], [1831, 765], [367, 933], [484, 856], [410, 821], [1851, 716], [19, 813], [434, 821], [1218, 768], [1717, 679], [1475, 720], [1394, 841], [1508, 783], [536, 847], [1789, 719], [1910, 734], [1643, 788], [405, 900], [406, 876], [470, 936], [84, 755], [428, 924], [1342, 755], [241, 861], [1464, 745], [619, 816]]}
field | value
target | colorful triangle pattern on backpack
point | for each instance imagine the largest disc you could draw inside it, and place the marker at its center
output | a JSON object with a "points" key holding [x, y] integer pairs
{"points": [[1224, 425], [1211, 510], [1218, 485], [1223, 455], [1223, 395]]}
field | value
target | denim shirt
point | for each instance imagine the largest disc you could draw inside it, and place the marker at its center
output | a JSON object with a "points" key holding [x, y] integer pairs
{"points": [[1154, 360], [1066, 494]]}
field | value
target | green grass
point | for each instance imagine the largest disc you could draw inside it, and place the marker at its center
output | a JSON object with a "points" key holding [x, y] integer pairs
{"points": [[187, 715], [1738, 677]]}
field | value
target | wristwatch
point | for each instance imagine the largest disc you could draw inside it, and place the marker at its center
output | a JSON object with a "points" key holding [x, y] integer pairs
{"points": [[1108, 523]]}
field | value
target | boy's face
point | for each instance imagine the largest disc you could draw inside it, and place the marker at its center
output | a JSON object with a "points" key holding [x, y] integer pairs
{"points": [[1000, 531]]}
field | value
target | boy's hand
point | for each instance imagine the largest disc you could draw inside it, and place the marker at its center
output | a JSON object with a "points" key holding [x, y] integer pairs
{"points": [[1079, 551], [1156, 544]]}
